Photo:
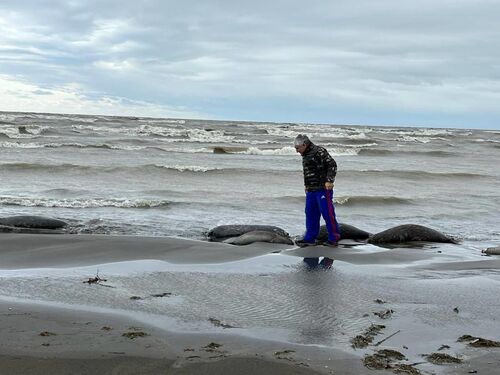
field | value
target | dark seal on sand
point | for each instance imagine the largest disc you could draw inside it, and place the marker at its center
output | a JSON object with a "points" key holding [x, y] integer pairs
{"points": [[346, 232], [223, 232], [492, 251], [259, 236], [409, 233], [32, 222]]}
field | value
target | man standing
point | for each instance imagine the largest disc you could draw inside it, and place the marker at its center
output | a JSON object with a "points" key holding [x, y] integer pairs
{"points": [[319, 177]]}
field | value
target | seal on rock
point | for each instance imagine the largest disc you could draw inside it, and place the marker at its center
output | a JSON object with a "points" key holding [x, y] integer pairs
{"points": [[408, 233], [258, 236], [32, 222], [223, 232]]}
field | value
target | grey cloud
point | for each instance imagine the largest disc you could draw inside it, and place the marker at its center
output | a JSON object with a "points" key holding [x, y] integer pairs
{"points": [[364, 50]]}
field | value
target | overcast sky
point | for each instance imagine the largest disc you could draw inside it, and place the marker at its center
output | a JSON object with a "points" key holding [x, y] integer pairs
{"points": [[379, 62]]}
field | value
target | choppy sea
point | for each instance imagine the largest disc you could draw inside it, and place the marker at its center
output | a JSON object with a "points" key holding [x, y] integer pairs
{"points": [[172, 177]]}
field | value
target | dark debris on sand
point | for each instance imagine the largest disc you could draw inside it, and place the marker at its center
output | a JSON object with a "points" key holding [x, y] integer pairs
{"points": [[402, 368], [134, 334], [362, 341], [46, 334], [212, 347], [97, 280], [441, 358], [218, 323], [384, 360], [479, 342], [385, 314]]}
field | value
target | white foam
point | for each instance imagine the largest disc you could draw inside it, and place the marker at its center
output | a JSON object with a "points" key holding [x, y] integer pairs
{"points": [[407, 138], [79, 145], [82, 202], [189, 168], [13, 132]]}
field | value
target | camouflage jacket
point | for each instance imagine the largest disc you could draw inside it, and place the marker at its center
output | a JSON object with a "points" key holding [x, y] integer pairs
{"points": [[319, 167]]}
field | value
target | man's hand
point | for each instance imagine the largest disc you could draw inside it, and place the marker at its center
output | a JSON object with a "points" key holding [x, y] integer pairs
{"points": [[329, 185]]}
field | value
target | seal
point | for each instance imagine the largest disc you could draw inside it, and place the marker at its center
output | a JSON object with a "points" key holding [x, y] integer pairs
{"points": [[492, 251], [408, 233], [346, 232], [32, 222], [258, 236], [223, 232]]}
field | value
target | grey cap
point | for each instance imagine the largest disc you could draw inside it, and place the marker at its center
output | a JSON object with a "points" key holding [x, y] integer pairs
{"points": [[301, 139]]}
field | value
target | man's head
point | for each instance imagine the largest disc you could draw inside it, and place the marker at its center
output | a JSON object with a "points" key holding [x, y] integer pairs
{"points": [[301, 143]]}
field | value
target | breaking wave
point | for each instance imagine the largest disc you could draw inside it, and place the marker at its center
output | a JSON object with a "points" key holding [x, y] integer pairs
{"points": [[383, 151], [83, 202], [13, 167], [22, 131], [411, 174], [357, 200], [284, 151], [371, 200]]}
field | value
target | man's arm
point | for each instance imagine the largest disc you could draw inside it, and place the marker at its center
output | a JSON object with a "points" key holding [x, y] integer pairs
{"points": [[331, 168]]}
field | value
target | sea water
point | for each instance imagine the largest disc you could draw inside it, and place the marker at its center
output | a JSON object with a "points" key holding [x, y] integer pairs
{"points": [[163, 177]]}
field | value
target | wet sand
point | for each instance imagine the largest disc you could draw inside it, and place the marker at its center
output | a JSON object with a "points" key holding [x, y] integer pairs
{"points": [[37, 339], [61, 331]]}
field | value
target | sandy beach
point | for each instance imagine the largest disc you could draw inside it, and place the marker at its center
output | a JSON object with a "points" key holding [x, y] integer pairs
{"points": [[179, 306]]}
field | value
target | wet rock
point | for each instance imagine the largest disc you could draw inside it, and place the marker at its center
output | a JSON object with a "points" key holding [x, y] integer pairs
{"points": [[22, 129]]}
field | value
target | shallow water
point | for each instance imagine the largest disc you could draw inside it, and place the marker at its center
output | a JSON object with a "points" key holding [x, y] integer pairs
{"points": [[276, 297]]}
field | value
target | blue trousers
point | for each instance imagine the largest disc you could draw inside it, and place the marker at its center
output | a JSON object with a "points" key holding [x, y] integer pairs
{"points": [[320, 203]]}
